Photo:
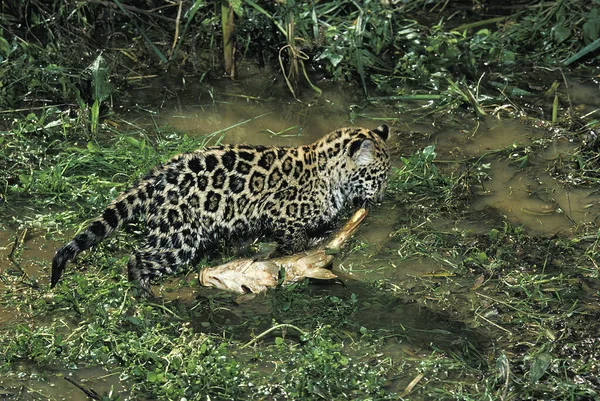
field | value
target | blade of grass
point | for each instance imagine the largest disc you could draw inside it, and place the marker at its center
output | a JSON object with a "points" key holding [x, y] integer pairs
{"points": [[479, 23], [555, 109], [592, 47], [404, 97], [266, 14], [190, 17]]}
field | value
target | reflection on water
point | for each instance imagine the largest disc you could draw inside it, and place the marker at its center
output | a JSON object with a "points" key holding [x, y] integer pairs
{"points": [[524, 196], [268, 123], [488, 135], [537, 201]]}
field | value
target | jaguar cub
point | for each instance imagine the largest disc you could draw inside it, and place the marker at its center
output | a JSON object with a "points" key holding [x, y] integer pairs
{"points": [[238, 191]]}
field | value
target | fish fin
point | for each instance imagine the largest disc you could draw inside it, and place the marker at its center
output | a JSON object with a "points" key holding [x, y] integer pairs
{"points": [[319, 273]]}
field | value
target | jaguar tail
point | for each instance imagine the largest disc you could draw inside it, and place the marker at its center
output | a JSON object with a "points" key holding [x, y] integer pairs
{"points": [[121, 210]]}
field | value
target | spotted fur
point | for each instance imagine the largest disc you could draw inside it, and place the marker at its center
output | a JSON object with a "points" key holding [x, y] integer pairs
{"points": [[238, 191]]}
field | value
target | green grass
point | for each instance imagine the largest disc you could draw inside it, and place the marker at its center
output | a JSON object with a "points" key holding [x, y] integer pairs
{"points": [[159, 351]]}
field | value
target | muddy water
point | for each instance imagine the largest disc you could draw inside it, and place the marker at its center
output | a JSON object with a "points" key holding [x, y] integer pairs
{"points": [[537, 201], [264, 123], [524, 195], [33, 384]]}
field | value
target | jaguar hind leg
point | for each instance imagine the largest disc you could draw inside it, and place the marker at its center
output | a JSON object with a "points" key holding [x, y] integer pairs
{"points": [[149, 263]]}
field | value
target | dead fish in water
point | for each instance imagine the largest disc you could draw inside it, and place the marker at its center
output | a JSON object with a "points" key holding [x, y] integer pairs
{"points": [[248, 275]]}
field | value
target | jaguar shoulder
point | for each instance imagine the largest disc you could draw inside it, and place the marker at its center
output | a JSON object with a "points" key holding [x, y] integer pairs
{"points": [[238, 191]]}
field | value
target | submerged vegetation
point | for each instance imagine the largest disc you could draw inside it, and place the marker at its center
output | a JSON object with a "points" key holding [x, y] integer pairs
{"points": [[459, 299]]}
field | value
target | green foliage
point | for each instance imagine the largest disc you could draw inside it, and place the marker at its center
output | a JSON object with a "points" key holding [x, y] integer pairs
{"points": [[42, 168], [520, 289], [30, 71], [161, 355], [558, 30], [518, 311], [321, 369], [199, 348], [418, 170], [292, 305], [101, 89], [382, 46]]}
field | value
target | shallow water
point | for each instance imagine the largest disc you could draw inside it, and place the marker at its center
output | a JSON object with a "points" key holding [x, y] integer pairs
{"points": [[288, 123], [536, 201], [34, 384], [525, 196]]}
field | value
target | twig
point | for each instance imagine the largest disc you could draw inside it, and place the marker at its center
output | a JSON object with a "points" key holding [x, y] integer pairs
{"points": [[17, 244], [90, 393], [412, 384], [175, 315], [176, 36], [34, 108], [494, 324], [264, 333]]}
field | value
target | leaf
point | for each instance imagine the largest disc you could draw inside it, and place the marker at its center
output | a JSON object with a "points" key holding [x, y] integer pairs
{"points": [[95, 115], [4, 48], [592, 47], [133, 142], [507, 56], [560, 33], [92, 147], [237, 7], [136, 321], [591, 28], [100, 79], [478, 282], [429, 152], [151, 377], [333, 58], [540, 365]]}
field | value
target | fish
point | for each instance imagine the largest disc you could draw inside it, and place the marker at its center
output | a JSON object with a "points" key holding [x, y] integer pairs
{"points": [[254, 276]]}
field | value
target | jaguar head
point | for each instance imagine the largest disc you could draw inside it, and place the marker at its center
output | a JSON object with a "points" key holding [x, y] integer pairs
{"points": [[367, 166]]}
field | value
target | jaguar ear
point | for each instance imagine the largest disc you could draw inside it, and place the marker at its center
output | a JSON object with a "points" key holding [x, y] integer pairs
{"points": [[383, 131], [362, 152]]}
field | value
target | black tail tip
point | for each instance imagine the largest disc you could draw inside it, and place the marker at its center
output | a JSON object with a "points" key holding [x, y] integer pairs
{"points": [[57, 270], [59, 261]]}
